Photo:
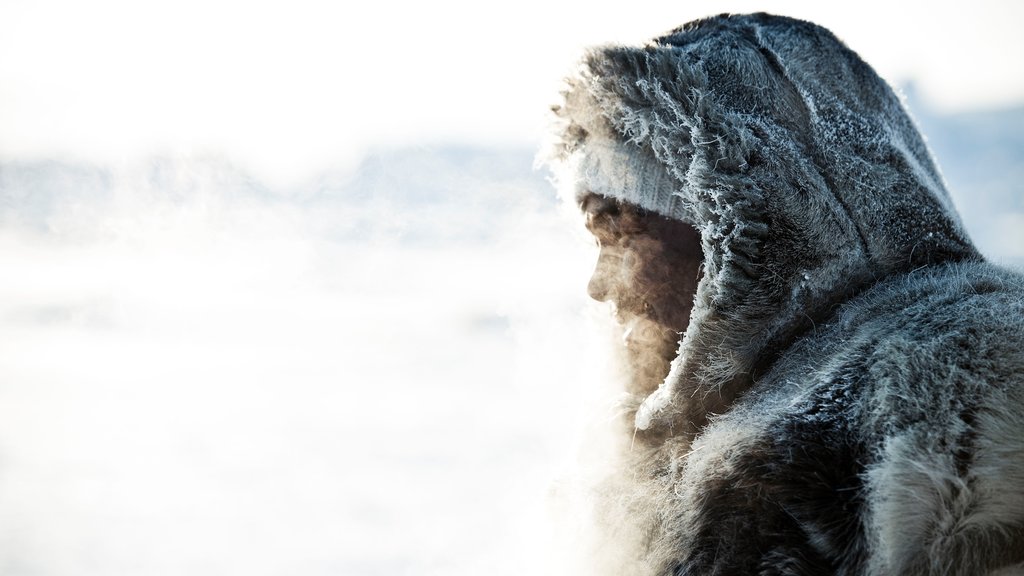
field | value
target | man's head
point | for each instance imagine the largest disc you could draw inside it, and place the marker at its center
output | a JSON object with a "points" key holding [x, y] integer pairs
{"points": [[798, 165], [648, 268]]}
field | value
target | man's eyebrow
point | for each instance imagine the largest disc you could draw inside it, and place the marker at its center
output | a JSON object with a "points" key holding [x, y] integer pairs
{"points": [[597, 205]]}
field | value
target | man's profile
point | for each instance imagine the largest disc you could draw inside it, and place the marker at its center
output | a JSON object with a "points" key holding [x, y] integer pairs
{"points": [[827, 376]]}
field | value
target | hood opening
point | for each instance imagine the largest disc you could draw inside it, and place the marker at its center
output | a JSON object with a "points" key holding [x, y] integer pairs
{"points": [[805, 177], [648, 267]]}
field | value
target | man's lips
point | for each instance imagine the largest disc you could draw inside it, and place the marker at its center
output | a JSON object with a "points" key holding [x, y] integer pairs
{"points": [[627, 330]]}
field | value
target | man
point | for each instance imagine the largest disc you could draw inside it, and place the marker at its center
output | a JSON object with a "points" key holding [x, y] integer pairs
{"points": [[828, 378]]}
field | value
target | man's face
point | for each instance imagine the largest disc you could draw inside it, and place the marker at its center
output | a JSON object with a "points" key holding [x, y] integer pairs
{"points": [[648, 268]]}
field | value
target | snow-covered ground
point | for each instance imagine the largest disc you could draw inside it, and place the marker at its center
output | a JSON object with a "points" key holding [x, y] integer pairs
{"points": [[385, 371], [372, 374]]}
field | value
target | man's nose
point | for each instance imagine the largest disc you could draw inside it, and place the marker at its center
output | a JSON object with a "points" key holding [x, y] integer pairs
{"points": [[602, 281]]}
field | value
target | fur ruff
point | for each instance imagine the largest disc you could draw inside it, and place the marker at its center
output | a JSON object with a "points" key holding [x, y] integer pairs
{"points": [[848, 395]]}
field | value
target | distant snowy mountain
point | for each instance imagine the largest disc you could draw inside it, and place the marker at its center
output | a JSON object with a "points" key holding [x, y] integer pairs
{"points": [[981, 155], [432, 194], [426, 194]]}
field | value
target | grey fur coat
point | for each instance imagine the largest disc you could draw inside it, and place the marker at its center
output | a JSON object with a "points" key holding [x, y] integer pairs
{"points": [[848, 397]]}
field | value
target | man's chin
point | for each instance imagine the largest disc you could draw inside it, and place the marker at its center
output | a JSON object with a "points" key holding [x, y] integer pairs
{"points": [[650, 348]]}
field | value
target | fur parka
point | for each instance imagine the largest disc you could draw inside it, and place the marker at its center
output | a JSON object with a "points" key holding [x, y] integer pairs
{"points": [[848, 397]]}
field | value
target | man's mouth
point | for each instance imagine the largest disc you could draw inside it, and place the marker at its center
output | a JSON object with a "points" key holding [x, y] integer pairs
{"points": [[628, 328], [649, 348]]}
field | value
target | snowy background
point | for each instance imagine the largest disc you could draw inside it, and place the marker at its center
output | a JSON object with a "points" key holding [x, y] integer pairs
{"points": [[199, 375], [263, 311]]}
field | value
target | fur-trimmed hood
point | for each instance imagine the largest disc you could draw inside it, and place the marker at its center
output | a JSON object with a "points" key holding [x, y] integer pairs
{"points": [[799, 166]]}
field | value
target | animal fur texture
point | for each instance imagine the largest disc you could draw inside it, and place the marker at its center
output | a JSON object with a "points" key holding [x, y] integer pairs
{"points": [[848, 397]]}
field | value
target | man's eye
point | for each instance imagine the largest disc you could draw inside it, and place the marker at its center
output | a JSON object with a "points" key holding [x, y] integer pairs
{"points": [[611, 227], [604, 234]]}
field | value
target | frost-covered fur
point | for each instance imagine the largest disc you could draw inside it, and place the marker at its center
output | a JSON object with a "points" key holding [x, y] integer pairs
{"points": [[848, 397]]}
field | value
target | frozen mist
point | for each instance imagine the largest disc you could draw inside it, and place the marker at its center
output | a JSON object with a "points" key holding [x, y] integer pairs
{"points": [[370, 374], [385, 371]]}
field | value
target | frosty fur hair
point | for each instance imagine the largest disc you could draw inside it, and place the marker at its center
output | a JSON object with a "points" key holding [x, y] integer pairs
{"points": [[848, 395], [733, 126]]}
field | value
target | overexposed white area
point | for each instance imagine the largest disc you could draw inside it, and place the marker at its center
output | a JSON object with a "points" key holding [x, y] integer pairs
{"points": [[283, 294], [289, 87], [200, 377]]}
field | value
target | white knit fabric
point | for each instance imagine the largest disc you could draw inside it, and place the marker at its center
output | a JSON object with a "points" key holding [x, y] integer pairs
{"points": [[623, 171]]}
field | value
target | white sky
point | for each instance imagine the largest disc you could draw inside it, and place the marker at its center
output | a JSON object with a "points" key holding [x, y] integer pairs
{"points": [[291, 87]]}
